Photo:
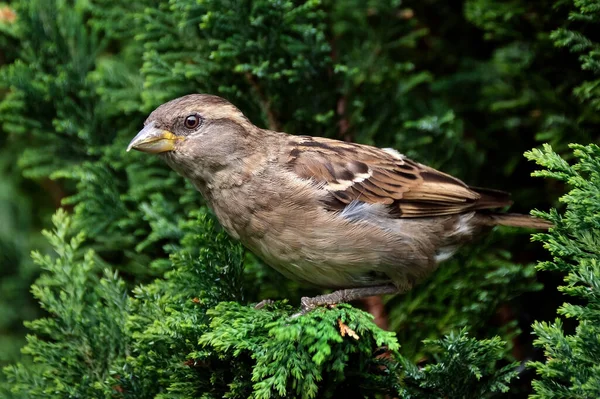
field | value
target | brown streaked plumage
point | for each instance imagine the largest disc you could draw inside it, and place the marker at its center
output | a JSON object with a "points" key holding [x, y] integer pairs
{"points": [[340, 215], [354, 172]]}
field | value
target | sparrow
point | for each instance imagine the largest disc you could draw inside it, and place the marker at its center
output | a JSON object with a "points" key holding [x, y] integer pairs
{"points": [[350, 217]]}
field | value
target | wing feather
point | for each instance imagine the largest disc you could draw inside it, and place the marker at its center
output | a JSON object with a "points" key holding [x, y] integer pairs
{"points": [[352, 172]]}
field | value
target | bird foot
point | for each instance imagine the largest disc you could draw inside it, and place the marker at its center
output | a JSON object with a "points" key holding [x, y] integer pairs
{"points": [[309, 303], [264, 303]]}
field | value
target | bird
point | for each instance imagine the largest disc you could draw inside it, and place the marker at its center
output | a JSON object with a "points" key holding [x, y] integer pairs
{"points": [[352, 218]]}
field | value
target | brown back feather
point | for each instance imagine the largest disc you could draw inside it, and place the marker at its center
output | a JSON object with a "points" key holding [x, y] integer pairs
{"points": [[354, 172]]}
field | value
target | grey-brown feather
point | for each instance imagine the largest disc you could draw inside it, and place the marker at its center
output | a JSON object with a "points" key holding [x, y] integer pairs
{"points": [[358, 172], [325, 212]]}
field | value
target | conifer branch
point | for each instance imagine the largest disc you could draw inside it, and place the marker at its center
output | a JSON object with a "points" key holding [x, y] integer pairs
{"points": [[265, 103]]}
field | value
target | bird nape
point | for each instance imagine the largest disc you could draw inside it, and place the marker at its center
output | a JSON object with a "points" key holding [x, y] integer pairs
{"points": [[358, 219]]}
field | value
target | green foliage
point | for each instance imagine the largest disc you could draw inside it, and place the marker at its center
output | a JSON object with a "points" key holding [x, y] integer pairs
{"points": [[64, 77], [55, 54], [488, 279], [463, 86], [87, 304], [18, 234], [584, 18], [472, 363], [251, 52], [169, 316], [189, 340], [301, 356], [571, 368], [19, 225]]}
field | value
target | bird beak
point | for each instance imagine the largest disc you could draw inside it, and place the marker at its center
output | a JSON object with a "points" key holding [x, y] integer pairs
{"points": [[153, 140]]}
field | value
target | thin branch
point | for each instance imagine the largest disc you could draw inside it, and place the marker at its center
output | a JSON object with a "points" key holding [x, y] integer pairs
{"points": [[265, 103], [343, 122], [375, 306]]}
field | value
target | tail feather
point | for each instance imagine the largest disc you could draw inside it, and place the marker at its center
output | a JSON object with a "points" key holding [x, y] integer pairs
{"points": [[514, 220], [490, 198]]}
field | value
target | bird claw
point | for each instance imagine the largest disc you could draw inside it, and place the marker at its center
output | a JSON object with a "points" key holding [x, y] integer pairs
{"points": [[308, 304], [264, 303]]}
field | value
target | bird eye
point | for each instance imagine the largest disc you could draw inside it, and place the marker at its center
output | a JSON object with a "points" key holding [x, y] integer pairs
{"points": [[192, 121]]}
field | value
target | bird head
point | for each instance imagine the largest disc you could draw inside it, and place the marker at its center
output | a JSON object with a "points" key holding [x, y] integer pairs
{"points": [[195, 134]]}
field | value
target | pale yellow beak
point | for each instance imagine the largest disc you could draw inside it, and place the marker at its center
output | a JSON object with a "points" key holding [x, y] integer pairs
{"points": [[153, 140]]}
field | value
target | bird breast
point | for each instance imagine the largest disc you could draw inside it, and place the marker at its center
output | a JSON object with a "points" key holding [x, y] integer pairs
{"points": [[290, 229]]}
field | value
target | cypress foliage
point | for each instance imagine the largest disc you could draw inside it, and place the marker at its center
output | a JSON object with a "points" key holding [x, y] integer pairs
{"points": [[73, 349], [157, 301], [571, 368]]}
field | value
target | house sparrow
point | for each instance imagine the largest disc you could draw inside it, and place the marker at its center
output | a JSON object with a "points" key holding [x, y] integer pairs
{"points": [[359, 219]]}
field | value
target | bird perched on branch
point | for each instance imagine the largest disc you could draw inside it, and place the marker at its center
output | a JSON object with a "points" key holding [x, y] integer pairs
{"points": [[359, 219]]}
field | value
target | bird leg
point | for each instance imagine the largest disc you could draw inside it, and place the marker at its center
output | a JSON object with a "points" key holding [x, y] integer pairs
{"points": [[263, 303], [346, 295]]}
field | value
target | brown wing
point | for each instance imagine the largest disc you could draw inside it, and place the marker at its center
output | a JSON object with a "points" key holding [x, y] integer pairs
{"points": [[353, 172]]}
